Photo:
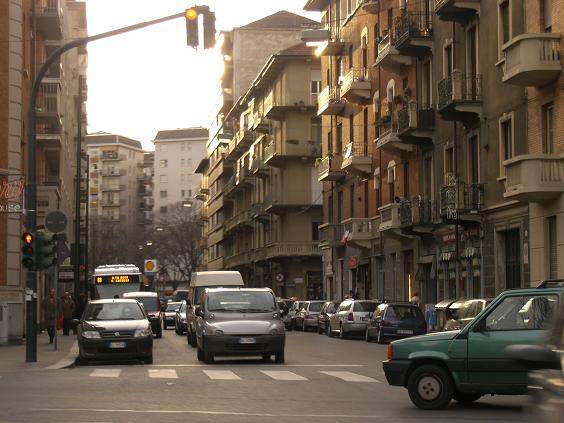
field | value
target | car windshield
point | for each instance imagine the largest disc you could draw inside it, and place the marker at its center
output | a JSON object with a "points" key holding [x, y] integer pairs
{"points": [[241, 302], [173, 307], [114, 311], [315, 307], [364, 306], [149, 303]]}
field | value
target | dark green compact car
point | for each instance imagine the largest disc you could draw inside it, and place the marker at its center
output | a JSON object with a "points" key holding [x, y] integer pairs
{"points": [[466, 364]]}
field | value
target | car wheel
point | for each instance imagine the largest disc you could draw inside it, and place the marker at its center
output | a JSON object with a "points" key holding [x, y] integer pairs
{"points": [[367, 335], [304, 329], [149, 359], [80, 361], [466, 397], [381, 338], [279, 357], [342, 333], [208, 357], [200, 355], [430, 387], [328, 331], [289, 327]]}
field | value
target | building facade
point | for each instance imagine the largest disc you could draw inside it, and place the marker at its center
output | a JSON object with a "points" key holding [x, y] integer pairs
{"points": [[177, 153]]}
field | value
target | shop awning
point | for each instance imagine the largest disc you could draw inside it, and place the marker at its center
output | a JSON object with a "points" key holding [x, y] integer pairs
{"points": [[447, 256], [470, 252]]}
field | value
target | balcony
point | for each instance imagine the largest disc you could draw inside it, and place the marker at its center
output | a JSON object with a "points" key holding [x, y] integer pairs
{"points": [[277, 104], [329, 102], [330, 235], [48, 196], [457, 10], [359, 232], [110, 188], [335, 45], [278, 152], [355, 86], [238, 220], [395, 216], [49, 135], [330, 168], [244, 138], [424, 215], [388, 55], [535, 178], [49, 102], [461, 201], [112, 203], [112, 156], [416, 123], [229, 186], [532, 60], [460, 97], [413, 33], [292, 249], [238, 260], [357, 159], [115, 172], [389, 140], [49, 15], [204, 185], [258, 211], [258, 167]]}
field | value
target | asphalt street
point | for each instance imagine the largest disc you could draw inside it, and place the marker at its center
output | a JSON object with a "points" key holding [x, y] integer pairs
{"points": [[323, 379]]}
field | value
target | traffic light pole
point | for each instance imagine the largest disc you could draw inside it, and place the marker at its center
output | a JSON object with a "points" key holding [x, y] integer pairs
{"points": [[31, 188]]}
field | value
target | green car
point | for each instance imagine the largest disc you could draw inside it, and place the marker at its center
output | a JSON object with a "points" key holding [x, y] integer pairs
{"points": [[465, 364]]}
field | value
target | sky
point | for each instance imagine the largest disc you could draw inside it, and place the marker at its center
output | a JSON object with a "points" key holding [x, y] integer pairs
{"points": [[149, 79]]}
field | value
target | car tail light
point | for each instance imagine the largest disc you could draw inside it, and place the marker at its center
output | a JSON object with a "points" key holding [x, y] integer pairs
{"points": [[350, 318], [390, 352]]}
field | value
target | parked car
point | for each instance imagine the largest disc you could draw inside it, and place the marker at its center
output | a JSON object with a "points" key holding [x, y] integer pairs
{"points": [[395, 320], [463, 312], [327, 310], [239, 321], [114, 329], [180, 319], [286, 305], [307, 316], [296, 308], [466, 364], [352, 316], [152, 306], [443, 313], [170, 313]]}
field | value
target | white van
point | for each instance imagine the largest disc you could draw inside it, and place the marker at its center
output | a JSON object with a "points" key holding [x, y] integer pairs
{"points": [[200, 281]]}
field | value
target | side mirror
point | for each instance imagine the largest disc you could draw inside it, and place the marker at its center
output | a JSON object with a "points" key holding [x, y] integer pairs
{"points": [[198, 311], [534, 357]]}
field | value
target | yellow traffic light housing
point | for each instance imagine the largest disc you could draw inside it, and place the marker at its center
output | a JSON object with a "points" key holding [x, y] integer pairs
{"points": [[191, 14]]}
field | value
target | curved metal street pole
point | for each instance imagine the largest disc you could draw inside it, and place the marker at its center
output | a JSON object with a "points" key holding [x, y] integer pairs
{"points": [[31, 188]]}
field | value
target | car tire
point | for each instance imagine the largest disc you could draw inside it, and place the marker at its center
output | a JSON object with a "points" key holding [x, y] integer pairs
{"points": [[367, 337], [381, 338], [304, 329], [279, 357], [328, 331], [200, 355], [430, 387], [80, 361], [342, 333], [466, 397], [208, 357], [148, 359]]}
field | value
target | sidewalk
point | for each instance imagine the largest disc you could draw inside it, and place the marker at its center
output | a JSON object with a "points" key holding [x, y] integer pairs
{"points": [[12, 357]]}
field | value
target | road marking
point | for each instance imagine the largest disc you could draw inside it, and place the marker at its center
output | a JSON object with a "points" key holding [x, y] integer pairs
{"points": [[351, 377], [163, 374], [68, 360], [221, 375], [282, 375], [278, 366], [106, 373]]}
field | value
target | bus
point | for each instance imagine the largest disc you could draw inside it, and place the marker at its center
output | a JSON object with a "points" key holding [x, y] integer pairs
{"points": [[113, 280]]}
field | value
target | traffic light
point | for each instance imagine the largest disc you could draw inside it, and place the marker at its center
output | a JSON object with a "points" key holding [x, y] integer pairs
{"points": [[29, 259], [46, 250], [209, 30], [192, 31], [192, 27]]}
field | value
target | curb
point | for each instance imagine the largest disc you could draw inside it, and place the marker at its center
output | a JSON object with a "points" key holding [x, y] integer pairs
{"points": [[68, 362]]}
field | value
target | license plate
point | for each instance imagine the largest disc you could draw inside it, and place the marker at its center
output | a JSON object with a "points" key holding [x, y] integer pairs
{"points": [[247, 341], [405, 332], [117, 345], [364, 319]]}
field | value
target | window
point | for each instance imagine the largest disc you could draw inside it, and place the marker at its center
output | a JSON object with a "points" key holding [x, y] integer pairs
{"points": [[376, 39], [315, 87], [390, 21], [546, 15], [163, 209], [315, 126], [339, 206], [182, 178], [474, 159], [351, 128], [183, 146], [315, 231], [163, 194], [506, 141], [163, 163], [339, 138], [406, 180], [449, 159], [351, 200], [447, 61], [189, 193], [182, 193], [548, 128], [428, 182], [552, 248], [527, 312], [182, 162], [163, 178], [504, 22], [426, 87], [330, 209], [350, 57], [365, 132]]}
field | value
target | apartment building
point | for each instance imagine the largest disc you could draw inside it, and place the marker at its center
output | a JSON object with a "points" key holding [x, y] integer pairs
{"points": [[177, 153], [245, 51], [29, 32], [273, 200], [146, 189], [413, 151], [532, 61], [116, 169]]}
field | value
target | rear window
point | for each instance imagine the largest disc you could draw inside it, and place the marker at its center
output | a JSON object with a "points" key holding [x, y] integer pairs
{"points": [[315, 307], [365, 307], [173, 307], [331, 307], [149, 303], [400, 312]]}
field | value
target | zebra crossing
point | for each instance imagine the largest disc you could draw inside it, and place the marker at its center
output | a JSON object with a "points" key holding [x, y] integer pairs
{"points": [[224, 375]]}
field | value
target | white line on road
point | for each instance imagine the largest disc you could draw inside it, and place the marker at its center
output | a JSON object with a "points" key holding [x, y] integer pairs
{"points": [[351, 377], [282, 375], [278, 366], [69, 359], [106, 373], [221, 375], [163, 374]]}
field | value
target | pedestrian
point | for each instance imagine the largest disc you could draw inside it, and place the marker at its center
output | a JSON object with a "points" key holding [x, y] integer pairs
{"points": [[415, 298], [67, 305], [350, 296], [51, 310]]}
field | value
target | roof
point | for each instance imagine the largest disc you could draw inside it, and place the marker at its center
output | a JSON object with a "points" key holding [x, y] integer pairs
{"points": [[281, 20], [185, 133], [140, 294], [105, 138]]}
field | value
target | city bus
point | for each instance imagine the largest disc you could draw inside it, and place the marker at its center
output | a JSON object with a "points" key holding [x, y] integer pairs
{"points": [[113, 280]]}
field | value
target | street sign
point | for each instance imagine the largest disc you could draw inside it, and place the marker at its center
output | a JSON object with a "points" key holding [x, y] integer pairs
{"points": [[151, 266], [56, 221]]}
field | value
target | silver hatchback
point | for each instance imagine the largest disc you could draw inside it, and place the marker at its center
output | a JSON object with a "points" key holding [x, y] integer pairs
{"points": [[240, 322], [352, 316]]}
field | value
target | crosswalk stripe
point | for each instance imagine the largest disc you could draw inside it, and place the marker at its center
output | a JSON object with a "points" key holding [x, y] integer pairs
{"points": [[106, 373], [163, 374], [350, 377], [221, 375], [282, 375]]}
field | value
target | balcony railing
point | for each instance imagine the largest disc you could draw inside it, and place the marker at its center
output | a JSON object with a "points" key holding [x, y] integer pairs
{"points": [[460, 95], [330, 168], [457, 10], [459, 198], [293, 249], [116, 172], [532, 59], [413, 32], [49, 99], [357, 157], [330, 234], [48, 16], [424, 212], [413, 119], [329, 101], [396, 215], [355, 85]]}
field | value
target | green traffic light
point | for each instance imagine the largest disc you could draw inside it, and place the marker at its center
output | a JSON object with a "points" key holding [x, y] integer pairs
{"points": [[46, 250]]}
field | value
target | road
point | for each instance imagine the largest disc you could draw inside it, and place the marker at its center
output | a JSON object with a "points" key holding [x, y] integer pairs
{"points": [[323, 379]]}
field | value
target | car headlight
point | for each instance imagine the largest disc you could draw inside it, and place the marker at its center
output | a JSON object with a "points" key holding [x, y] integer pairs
{"points": [[275, 332], [142, 333], [211, 331], [91, 334]]}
